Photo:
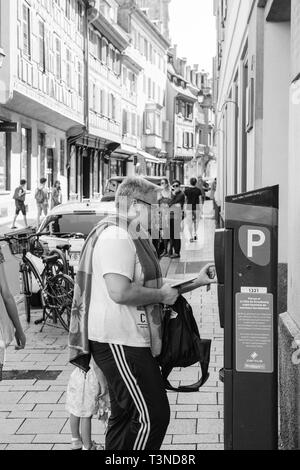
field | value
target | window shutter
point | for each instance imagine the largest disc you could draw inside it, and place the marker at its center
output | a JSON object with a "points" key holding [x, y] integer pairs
{"points": [[124, 122]]}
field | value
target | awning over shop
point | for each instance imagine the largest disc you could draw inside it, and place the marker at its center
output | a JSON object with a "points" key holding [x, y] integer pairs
{"points": [[150, 158]]}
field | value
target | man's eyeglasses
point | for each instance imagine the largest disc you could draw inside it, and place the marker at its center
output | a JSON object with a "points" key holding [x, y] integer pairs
{"points": [[176, 186]]}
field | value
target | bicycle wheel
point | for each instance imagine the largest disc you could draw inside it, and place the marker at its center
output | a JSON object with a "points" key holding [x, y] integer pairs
{"points": [[59, 291]]}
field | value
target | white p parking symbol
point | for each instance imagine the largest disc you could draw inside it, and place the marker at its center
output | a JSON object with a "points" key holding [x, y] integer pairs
{"points": [[256, 238], [255, 243]]}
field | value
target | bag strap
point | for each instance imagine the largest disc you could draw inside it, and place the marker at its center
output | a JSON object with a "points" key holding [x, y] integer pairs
{"points": [[204, 354]]}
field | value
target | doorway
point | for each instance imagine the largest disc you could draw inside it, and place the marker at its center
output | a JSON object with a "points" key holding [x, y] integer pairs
{"points": [[50, 167], [85, 175]]}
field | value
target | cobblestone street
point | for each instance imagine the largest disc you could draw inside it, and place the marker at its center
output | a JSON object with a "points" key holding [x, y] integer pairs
{"points": [[32, 414]]}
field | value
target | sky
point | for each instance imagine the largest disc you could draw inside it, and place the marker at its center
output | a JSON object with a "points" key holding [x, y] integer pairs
{"points": [[193, 29]]}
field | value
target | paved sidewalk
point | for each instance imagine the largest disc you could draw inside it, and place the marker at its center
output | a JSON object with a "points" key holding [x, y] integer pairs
{"points": [[32, 414]]}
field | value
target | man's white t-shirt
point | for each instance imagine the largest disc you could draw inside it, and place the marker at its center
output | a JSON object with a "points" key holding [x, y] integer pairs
{"points": [[108, 322]]}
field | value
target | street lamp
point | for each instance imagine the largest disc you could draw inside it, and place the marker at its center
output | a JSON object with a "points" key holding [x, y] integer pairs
{"points": [[2, 56], [226, 102]]}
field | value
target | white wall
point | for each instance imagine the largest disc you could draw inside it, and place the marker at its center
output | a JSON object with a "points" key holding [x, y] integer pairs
{"points": [[276, 120]]}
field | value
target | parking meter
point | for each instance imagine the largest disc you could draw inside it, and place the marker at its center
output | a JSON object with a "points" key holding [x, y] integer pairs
{"points": [[246, 257]]}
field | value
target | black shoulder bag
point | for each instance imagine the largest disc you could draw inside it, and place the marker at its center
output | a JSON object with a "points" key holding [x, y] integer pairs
{"points": [[182, 345]]}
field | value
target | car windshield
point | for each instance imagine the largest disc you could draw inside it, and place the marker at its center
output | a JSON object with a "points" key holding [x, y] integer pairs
{"points": [[71, 223]]}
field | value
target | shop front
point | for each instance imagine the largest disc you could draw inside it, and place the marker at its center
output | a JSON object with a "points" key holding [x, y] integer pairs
{"points": [[148, 165]]}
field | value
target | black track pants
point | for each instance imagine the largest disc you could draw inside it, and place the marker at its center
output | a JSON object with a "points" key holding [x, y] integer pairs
{"points": [[140, 411]]}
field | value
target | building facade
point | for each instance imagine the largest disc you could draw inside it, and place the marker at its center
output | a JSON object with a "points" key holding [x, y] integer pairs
{"points": [[189, 120], [44, 46], [148, 50], [257, 122]]}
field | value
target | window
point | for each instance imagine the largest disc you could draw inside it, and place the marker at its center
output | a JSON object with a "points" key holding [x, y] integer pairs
{"points": [[112, 107], [62, 157], [118, 63], [146, 48], [93, 103], [191, 140], [68, 9], [124, 122], [189, 111], [79, 14], [99, 47], [25, 170], [133, 124], [57, 58], [132, 81], [104, 50], [68, 68], [42, 51], [152, 123], [26, 31], [151, 54], [102, 102], [80, 79], [112, 58]]}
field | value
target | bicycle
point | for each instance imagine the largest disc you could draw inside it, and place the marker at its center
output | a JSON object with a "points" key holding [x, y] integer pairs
{"points": [[55, 285]]}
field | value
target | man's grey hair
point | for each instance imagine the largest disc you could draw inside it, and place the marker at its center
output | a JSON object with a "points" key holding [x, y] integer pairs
{"points": [[133, 188]]}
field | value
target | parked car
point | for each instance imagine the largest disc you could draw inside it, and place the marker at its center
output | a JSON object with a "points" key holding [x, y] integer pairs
{"points": [[113, 184], [70, 224]]}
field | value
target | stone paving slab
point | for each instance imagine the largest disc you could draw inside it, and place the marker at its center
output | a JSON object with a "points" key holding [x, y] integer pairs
{"points": [[195, 438], [29, 447], [42, 426]]}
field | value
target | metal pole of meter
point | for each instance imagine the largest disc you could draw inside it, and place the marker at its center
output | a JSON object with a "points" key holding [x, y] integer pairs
{"points": [[246, 255]]}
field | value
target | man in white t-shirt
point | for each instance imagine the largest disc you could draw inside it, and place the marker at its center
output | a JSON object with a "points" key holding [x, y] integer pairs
{"points": [[119, 331]]}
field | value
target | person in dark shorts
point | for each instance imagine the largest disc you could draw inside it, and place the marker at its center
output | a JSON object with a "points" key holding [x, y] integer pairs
{"points": [[193, 199], [176, 216], [19, 197]]}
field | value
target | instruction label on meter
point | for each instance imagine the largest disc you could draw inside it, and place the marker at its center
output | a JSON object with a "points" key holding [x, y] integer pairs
{"points": [[254, 332]]}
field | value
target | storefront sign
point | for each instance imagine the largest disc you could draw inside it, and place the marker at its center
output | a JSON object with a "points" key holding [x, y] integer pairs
{"points": [[8, 126]]}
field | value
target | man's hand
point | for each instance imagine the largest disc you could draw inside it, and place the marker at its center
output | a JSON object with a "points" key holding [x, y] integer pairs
{"points": [[169, 295], [204, 276]]}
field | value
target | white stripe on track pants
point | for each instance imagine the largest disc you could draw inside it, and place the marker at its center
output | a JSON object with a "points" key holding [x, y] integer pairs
{"points": [[140, 411]]}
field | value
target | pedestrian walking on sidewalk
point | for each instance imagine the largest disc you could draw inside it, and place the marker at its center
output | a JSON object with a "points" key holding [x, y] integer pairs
{"points": [[193, 210], [176, 206], [19, 197], [10, 325], [84, 398], [202, 186], [56, 196], [119, 270], [41, 197], [164, 201]]}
